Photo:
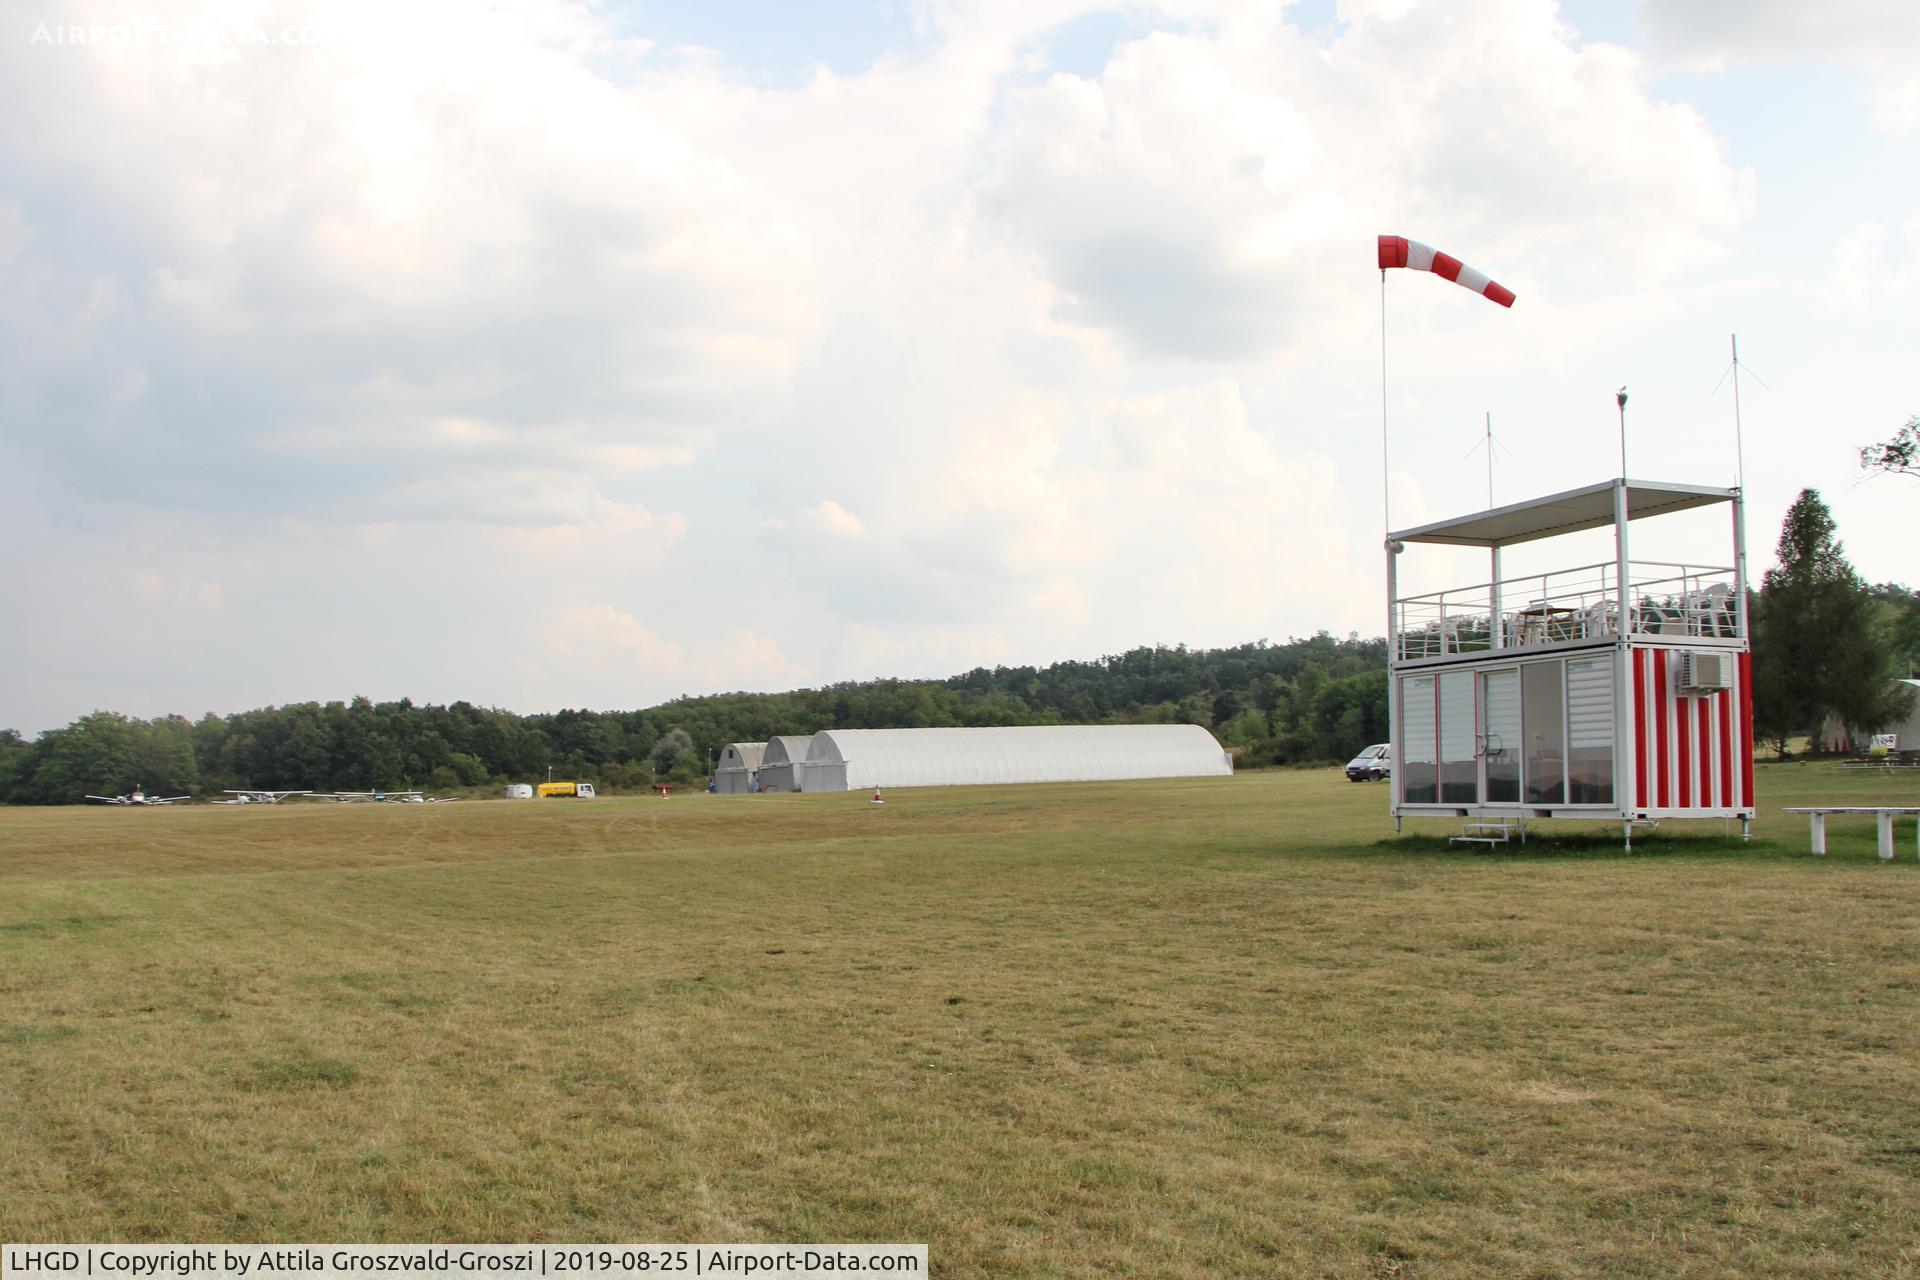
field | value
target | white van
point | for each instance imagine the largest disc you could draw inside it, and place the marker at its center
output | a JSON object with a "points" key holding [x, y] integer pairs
{"points": [[1375, 764]]}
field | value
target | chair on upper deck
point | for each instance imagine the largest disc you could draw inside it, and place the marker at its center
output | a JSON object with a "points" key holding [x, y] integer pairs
{"points": [[1659, 618], [1712, 611]]}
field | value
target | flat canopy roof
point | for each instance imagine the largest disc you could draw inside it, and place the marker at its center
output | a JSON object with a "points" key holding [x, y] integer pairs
{"points": [[1569, 512]]}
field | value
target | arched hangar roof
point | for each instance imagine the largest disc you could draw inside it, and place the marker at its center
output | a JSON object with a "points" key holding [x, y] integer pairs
{"points": [[790, 749], [1022, 753], [742, 755]]}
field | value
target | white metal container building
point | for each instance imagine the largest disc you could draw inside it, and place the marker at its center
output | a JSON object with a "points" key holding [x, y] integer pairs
{"points": [[781, 761], [739, 769], [1621, 690], [856, 759]]}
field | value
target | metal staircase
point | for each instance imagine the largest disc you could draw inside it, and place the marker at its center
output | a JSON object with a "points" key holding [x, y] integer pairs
{"points": [[1491, 834]]}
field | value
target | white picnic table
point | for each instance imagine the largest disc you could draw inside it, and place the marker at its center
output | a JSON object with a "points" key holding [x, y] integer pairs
{"points": [[1885, 813]]}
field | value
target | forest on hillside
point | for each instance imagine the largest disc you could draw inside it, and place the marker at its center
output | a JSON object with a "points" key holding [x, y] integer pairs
{"points": [[1314, 700]]}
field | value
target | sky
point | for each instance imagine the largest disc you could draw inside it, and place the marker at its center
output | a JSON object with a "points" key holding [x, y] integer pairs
{"points": [[549, 355]]}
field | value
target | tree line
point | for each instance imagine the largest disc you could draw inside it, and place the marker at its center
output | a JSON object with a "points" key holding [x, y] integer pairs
{"points": [[1313, 700]]}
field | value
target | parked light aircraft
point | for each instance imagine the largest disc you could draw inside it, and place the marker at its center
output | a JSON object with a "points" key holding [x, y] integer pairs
{"points": [[378, 797], [259, 797], [137, 796], [355, 797]]}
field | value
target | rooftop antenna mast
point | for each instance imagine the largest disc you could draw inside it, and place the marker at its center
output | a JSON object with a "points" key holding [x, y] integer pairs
{"points": [[1490, 445], [1739, 442]]}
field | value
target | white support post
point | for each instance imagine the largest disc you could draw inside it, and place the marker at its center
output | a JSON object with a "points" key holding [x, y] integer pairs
{"points": [[1740, 565], [1885, 822], [1620, 550], [1495, 603], [1819, 833], [1626, 764], [1393, 678]]}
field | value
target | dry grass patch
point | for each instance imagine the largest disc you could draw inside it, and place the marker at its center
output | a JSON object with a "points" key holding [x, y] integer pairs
{"points": [[1184, 1029]]}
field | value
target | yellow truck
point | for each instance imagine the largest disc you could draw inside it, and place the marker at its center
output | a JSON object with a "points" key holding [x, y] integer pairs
{"points": [[581, 790]]}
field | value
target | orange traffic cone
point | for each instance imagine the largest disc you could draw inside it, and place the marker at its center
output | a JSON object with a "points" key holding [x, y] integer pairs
{"points": [[876, 796]]}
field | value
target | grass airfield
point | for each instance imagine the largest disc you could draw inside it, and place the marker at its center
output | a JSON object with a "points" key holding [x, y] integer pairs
{"points": [[1190, 1028]]}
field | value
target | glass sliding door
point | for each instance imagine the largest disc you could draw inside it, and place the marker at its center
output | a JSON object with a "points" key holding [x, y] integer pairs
{"points": [[1459, 738], [1590, 730], [1500, 735], [1544, 720], [1419, 742]]}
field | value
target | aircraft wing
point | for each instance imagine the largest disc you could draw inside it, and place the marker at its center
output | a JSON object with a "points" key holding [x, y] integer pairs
{"points": [[109, 799]]}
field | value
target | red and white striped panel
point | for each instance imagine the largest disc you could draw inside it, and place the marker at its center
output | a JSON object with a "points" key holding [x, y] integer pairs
{"points": [[1398, 251], [1691, 751]]}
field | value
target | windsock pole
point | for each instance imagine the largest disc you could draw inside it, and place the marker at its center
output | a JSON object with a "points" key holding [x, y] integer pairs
{"points": [[1386, 540], [1386, 474]]}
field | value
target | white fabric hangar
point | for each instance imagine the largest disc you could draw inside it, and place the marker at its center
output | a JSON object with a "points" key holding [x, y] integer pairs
{"points": [[855, 759], [780, 763], [738, 773]]}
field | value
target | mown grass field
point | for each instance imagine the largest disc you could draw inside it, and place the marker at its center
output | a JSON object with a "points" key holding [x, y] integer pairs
{"points": [[1198, 1028]]}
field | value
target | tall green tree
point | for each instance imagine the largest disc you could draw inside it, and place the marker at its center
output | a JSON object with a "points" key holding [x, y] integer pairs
{"points": [[674, 749], [95, 754], [1821, 652]]}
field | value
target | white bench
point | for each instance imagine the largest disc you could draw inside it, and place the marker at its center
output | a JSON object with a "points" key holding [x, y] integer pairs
{"points": [[1884, 813]]}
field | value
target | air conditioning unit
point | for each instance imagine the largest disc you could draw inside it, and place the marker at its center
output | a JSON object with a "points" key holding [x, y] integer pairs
{"points": [[1706, 672]]}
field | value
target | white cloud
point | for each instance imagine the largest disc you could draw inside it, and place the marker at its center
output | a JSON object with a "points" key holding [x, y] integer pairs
{"points": [[440, 216], [1879, 36], [1715, 31], [830, 518], [1206, 196], [603, 656], [544, 350], [601, 643]]}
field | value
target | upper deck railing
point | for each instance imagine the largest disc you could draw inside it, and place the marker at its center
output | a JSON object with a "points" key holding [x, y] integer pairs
{"points": [[1569, 604]]}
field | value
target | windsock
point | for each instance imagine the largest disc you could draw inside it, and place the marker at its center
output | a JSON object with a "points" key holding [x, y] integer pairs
{"points": [[1398, 251]]}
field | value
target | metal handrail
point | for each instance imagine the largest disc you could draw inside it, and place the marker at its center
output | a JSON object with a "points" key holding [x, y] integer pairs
{"points": [[1569, 604]]}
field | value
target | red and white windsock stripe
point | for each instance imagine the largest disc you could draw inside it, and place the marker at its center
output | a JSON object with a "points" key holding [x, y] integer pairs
{"points": [[1398, 251]]}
